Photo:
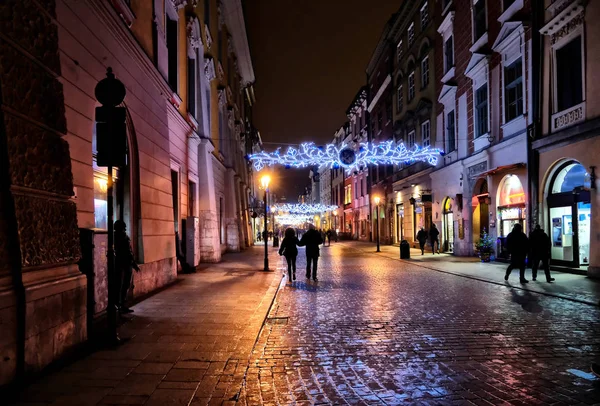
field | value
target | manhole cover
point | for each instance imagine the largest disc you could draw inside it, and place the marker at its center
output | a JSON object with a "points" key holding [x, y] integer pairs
{"points": [[239, 273], [277, 320], [376, 326]]}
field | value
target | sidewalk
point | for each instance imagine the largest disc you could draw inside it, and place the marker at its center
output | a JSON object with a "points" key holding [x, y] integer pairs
{"points": [[568, 286], [189, 344]]}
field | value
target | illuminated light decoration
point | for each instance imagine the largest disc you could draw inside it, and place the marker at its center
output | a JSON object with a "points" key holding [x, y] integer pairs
{"points": [[302, 208], [332, 156], [292, 219]]}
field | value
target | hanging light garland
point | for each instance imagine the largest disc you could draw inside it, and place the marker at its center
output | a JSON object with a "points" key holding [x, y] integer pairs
{"points": [[332, 156], [303, 208], [292, 219]]}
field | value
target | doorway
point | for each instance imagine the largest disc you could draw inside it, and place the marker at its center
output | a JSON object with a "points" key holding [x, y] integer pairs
{"points": [[400, 221], [569, 215], [448, 226], [480, 203]]}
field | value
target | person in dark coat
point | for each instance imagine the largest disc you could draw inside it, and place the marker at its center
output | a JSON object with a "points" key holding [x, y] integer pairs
{"points": [[434, 238], [540, 252], [311, 240], [124, 264], [517, 244], [422, 238], [328, 235], [289, 249]]}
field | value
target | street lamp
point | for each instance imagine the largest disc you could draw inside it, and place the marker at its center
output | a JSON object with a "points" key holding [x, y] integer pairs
{"points": [[377, 199], [264, 181]]}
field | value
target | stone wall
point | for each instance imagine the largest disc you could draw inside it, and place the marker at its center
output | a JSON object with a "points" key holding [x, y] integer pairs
{"points": [[49, 318]]}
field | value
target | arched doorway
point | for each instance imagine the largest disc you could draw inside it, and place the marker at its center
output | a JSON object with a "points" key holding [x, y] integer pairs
{"points": [[569, 214], [447, 226], [480, 203], [511, 207], [400, 222]]}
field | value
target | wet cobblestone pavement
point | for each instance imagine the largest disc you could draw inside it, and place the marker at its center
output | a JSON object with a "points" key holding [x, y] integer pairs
{"points": [[378, 331]]}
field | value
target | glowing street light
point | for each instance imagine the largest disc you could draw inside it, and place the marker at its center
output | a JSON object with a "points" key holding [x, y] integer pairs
{"points": [[377, 199], [264, 181], [335, 213]]}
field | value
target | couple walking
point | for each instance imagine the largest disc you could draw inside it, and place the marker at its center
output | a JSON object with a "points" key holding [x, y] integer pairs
{"points": [[289, 248], [433, 238], [537, 246]]}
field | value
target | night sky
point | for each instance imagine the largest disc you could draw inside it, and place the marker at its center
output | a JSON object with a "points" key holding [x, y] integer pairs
{"points": [[309, 60]]}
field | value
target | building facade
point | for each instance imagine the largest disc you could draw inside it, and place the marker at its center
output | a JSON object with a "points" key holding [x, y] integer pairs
{"points": [[185, 187], [567, 144], [485, 107], [413, 33], [380, 108]]}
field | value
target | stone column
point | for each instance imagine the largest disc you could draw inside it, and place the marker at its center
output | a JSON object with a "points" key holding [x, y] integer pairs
{"points": [[210, 248], [232, 232], [43, 302]]}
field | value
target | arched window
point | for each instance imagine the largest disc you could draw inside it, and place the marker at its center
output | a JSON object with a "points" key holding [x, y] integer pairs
{"points": [[572, 175], [511, 191]]}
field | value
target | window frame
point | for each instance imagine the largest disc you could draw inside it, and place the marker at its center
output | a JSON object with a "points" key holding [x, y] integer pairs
{"points": [[447, 66], [426, 125], [399, 52], [452, 114], [517, 84], [425, 72], [411, 87], [410, 32], [578, 32], [424, 14], [476, 108], [474, 15], [399, 98], [411, 138]]}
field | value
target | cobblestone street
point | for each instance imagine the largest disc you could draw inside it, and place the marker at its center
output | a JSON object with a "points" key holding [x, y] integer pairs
{"points": [[375, 330]]}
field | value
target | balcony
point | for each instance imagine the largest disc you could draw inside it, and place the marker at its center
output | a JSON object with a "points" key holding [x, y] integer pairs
{"points": [[568, 117]]}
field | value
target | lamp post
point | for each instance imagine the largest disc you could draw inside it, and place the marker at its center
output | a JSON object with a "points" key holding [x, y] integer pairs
{"points": [[264, 181], [377, 199]]}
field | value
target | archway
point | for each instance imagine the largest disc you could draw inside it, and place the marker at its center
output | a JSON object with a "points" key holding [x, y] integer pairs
{"points": [[569, 213], [480, 203], [447, 226], [512, 209]]}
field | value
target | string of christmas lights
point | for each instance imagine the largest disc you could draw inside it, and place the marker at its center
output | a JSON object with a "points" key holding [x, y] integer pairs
{"points": [[332, 156], [303, 208], [292, 219]]}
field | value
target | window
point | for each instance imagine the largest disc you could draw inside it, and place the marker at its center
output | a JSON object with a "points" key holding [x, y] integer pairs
{"points": [[192, 87], [399, 51], [481, 111], [569, 82], [207, 12], [348, 194], [513, 90], [191, 198], [411, 139], [426, 133], [411, 34], [479, 19], [424, 15], [450, 132], [355, 190], [425, 72], [172, 53], [449, 54], [411, 86], [400, 99]]}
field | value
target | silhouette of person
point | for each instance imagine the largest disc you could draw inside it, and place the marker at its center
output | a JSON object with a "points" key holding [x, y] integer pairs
{"points": [[311, 239], [540, 252], [289, 249], [517, 244], [124, 264], [422, 238], [434, 238]]}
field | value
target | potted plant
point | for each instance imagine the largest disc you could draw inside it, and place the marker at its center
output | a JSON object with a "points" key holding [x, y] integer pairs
{"points": [[485, 247]]}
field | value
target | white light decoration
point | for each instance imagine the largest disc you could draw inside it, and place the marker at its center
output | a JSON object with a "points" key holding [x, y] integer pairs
{"points": [[332, 156], [302, 208], [292, 219]]}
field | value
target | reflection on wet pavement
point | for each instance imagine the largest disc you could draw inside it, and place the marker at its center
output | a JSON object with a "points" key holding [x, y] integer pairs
{"points": [[376, 331]]}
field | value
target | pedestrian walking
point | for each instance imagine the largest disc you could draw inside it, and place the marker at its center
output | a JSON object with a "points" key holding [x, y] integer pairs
{"points": [[540, 252], [517, 244], [434, 238], [328, 234], [124, 264], [289, 249], [311, 240], [422, 238]]}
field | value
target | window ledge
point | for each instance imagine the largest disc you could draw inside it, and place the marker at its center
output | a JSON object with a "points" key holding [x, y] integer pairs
{"points": [[124, 11], [449, 75], [514, 126], [481, 142], [510, 11], [192, 120], [175, 100], [483, 40], [568, 117]]}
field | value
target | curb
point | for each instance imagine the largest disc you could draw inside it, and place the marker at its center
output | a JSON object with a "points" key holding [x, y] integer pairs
{"points": [[556, 295]]}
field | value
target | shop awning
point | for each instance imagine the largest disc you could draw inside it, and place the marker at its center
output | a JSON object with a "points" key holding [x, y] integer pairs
{"points": [[501, 169]]}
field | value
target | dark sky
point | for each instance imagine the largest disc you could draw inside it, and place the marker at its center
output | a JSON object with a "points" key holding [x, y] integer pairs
{"points": [[309, 60]]}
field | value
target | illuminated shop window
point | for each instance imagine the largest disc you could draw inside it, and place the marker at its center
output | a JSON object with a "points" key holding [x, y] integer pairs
{"points": [[512, 192]]}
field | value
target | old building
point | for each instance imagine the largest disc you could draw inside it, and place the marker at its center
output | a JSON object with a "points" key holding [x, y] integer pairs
{"points": [[337, 182], [188, 74], [358, 121], [567, 145], [485, 108], [413, 32], [379, 107]]}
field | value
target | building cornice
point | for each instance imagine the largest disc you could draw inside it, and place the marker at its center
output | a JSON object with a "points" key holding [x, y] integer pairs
{"points": [[382, 88], [234, 19]]}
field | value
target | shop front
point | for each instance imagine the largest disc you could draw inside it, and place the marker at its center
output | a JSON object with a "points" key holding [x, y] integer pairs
{"points": [[447, 226], [569, 215], [512, 209], [399, 222]]}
